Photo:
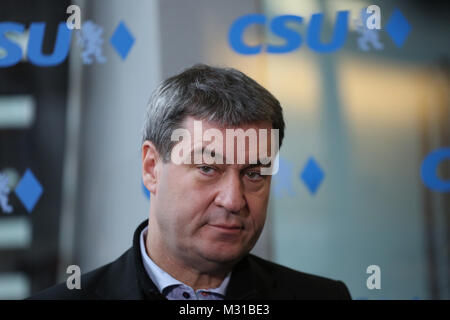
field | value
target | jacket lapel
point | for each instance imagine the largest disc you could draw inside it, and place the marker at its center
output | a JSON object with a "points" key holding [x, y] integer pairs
{"points": [[247, 282], [126, 277]]}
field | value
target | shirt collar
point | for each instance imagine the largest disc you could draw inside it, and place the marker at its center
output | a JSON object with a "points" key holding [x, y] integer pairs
{"points": [[162, 279]]}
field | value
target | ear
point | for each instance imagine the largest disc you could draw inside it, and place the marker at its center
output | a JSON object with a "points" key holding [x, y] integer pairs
{"points": [[150, 166]]}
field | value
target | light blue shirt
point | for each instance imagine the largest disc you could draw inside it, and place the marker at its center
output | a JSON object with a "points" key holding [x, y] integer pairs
{"points": [[173, 289]]}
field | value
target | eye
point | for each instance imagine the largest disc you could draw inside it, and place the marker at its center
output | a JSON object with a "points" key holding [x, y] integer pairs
{"points": [[254, 176], [206, 170]]}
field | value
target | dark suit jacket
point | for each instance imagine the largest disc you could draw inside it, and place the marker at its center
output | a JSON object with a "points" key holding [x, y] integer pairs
{"points": [[252, 278]]}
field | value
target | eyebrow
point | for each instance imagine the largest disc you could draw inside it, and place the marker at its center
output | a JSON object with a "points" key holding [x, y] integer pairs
{"points": [[213, 154], [259, 164]]}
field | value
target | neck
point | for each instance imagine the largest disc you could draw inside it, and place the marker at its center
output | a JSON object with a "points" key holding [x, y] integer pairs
{"points": [[179, 269]]}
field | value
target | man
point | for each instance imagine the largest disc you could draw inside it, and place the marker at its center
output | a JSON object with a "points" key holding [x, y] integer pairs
{"points": [[209, 199]]}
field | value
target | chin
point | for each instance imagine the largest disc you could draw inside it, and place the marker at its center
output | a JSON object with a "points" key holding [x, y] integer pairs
{"points": [[224, 255]]}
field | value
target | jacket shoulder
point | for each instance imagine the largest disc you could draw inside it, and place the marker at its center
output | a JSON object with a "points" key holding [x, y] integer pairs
{"points": [[292, 284]]}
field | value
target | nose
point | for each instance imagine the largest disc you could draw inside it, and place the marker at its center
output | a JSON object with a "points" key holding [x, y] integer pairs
{"points": [[231, 195]]}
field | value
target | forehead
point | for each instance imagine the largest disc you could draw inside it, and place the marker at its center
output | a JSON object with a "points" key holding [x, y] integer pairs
{"points": [[236, 145]]}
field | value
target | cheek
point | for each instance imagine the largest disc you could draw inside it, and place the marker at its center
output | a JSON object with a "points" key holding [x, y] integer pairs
{"points": [[257, 213], [257, 205], [185, 199]]}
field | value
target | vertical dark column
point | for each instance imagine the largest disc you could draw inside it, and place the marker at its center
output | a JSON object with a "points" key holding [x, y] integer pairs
{"points": [[428, 209], [444, 132], [40, 147]]}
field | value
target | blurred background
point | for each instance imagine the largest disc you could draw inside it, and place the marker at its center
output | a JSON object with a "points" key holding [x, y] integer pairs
{"points": [[364, 168]]}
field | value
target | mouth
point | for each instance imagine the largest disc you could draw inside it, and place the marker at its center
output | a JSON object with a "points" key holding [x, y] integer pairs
{"points": [[227, 228]]}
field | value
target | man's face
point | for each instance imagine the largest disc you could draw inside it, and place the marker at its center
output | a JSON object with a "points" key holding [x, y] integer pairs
{"points": [[212, 212]]}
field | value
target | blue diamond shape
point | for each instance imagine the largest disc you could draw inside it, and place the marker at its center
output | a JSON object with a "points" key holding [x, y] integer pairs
{"points": [[29, 190], [122, 40], [312, 175], [398, 28]]}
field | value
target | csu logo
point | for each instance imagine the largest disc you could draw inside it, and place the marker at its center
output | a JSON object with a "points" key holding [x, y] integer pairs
{"points": [[89, 36], [397, 28], [293, 40], [429, 170], [34, 50]]}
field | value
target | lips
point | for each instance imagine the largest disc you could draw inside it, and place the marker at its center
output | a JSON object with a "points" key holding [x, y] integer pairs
{"points": [[227, 227]]}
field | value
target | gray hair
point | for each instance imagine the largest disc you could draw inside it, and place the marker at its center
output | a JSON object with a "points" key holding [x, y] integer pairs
{"points": [[222, 95]]}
